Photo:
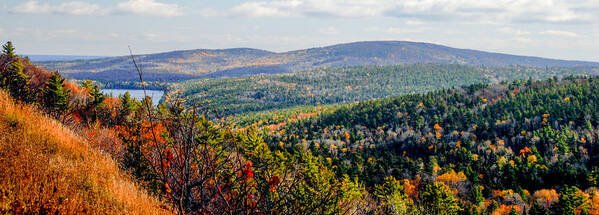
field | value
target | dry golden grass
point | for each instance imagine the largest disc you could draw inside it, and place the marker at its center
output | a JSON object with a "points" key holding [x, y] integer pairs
{"points": [[46, 168]]}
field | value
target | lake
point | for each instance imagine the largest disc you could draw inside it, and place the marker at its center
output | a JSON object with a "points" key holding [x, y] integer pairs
{"points": [[156, 95]]}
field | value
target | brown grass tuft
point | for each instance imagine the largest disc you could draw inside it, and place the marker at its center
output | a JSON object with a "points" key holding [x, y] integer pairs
{"points": [[46, 168]]}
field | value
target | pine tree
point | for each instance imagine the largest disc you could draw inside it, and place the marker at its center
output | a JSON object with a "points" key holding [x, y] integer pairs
{"points": [[96, 96], [393, 198], [87, 84], [12, 77], [513, 211], [570, 199], [127, 106], [8, 49], [55, 95], [437, 198]]}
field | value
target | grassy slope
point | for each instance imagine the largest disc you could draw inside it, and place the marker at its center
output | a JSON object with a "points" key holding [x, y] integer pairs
{"points": [[45, 167]]}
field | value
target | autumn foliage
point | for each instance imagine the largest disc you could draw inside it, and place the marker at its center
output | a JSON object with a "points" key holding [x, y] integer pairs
{"points": [[459, 151], [47, 168]]}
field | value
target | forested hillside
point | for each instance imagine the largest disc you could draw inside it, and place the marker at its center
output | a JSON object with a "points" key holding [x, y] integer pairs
{"points": [[228, 96], [526, 147], [203, 63]]}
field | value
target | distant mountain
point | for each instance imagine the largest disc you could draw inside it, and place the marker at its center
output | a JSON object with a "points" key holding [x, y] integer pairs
{"points": [[42, 58], [198, 63]]}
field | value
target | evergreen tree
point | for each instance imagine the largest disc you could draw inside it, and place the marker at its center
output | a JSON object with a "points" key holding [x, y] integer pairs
{"points": [[8, 49], [96, 98], [87, 84], [393, 198], [55, 95], [513, 211], [127, 106], [538, 209], [492, 207], [477, 194], [12, 77], [437, 198], [570, 199]]}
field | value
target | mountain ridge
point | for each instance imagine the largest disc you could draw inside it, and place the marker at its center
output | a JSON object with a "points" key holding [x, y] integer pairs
{"points": [[205, 63]]}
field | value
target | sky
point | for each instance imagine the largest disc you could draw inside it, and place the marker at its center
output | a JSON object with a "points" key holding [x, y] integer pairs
{"points": [[563, 29]]}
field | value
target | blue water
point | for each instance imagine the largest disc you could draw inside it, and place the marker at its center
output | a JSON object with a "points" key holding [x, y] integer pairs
{"points": [[156, 95]]}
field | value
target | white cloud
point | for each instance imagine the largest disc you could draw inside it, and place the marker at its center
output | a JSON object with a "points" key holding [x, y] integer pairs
{"points": [[75, 35], [393, 30], [414, 22], [487, 11], [70, 8], [329, 31], [396, 30], [508, 30], [523, 40], [264, 9], [78, 8], [140, 7], [33, 7], [210, 12], [350, 8], [559, 33], [152, 36], [149, 7]]}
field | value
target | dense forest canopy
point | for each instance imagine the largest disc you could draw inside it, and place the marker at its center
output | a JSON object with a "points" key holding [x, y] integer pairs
{"points": [[228, 96], [505, 144]]}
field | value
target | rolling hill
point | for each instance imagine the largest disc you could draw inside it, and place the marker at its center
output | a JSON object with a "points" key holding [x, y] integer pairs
{"points": [[206, 63], [235, 95]]}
